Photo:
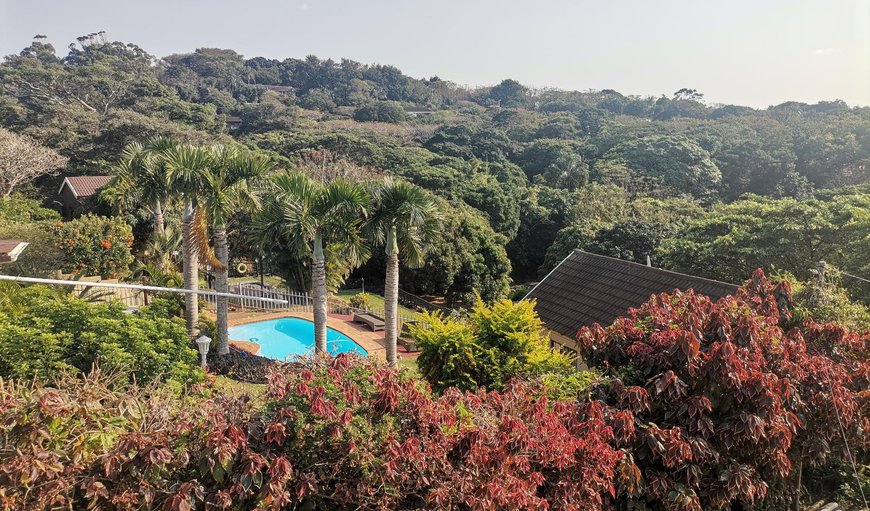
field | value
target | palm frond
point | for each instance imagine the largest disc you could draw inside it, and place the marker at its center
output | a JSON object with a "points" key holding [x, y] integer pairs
{"points": [[201, 238], [408, 209]]}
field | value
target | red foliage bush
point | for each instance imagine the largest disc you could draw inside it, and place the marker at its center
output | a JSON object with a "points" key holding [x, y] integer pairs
{"points": [[715, 404], [345, 434]]}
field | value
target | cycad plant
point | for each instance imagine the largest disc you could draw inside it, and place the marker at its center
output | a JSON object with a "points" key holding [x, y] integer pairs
{"points": [[312, 219], [404, 219]]}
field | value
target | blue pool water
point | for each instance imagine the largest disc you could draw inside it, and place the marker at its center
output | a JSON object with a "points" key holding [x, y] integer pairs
{"points": [[284, 338]]}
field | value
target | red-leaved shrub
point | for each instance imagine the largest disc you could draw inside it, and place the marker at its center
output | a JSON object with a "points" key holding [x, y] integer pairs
{"points": [[716, 404], [344, 434]]}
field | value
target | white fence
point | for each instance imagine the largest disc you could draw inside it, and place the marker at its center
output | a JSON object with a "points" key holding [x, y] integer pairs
{"points": [[250, 295], [129, 297]]}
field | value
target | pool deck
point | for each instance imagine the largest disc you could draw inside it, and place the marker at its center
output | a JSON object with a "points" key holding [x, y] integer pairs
{"points": [[372, 342]]}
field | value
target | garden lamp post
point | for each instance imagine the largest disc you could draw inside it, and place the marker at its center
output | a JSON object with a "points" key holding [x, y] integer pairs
{"points": [[203, 343]]}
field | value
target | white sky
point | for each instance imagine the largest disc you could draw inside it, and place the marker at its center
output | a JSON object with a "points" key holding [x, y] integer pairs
{"points": [[754, 53]]}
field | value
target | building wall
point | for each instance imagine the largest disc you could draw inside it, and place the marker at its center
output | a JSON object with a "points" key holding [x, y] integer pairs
{"points": [[568, 345], [71, 204]]}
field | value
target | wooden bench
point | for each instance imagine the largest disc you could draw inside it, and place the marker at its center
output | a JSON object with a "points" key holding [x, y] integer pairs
{"points": [[374, 322]]}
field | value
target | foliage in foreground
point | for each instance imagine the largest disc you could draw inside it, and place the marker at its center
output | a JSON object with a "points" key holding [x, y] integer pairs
{"points": [[44, 332], [343, 434], [496, 344], [718, 404]]}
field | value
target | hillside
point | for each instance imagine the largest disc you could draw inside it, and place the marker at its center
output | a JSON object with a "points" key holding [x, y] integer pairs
{"points": [[531, 173]]}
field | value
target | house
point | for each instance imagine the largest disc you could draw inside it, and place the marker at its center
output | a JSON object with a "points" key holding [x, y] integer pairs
{"points": [[76, 189], [10, 250], [585, 289], [233, 122]]}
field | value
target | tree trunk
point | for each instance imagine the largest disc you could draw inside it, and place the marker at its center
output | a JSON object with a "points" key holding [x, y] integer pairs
{"points": [[191, 271], [318, 282], [221, 252], [391, 298], [159, 222], [796, 502]]}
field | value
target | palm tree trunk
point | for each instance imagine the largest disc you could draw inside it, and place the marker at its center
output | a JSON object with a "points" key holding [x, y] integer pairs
{"points": [[190, 263], [159, 222], [221, 252], [318, 282], [391, 297]]}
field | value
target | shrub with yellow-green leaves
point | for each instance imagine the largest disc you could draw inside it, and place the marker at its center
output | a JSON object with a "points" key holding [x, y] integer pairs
{"points": [[494, 345]]}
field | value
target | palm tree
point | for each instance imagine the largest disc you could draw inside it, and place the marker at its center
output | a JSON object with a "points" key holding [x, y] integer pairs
{"points": [[142, 178], [187, 166], [312, 219], [404, 218], [225, 189]]}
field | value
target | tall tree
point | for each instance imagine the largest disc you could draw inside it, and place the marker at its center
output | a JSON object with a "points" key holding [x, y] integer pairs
{"points": [[22, 160], [314, 219], [187, 167], [142, 178], [226, 188], [404, 218]]}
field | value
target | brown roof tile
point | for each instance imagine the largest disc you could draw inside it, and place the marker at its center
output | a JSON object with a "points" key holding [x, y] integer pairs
{"points": [[10, 249], [589, 288], [85, 186]]}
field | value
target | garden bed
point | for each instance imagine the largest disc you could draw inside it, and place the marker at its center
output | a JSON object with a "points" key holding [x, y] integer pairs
{"points": [[241, 365]]}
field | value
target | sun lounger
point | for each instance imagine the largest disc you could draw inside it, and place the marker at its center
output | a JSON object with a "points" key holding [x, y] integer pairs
{"points": [[374, 322]]}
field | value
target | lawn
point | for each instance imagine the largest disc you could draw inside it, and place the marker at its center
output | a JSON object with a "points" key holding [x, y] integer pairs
{"points": [[375, 301], [410, 365]]}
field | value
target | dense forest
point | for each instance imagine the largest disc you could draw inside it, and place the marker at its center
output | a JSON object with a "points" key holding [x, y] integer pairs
{"points": [[526, 174]]}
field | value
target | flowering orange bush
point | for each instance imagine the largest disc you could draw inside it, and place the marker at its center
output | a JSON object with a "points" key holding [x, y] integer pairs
{"points": [[95, 245]]}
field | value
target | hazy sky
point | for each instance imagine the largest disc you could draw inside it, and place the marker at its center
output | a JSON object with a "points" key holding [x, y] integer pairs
{"points": [[755, 53]]}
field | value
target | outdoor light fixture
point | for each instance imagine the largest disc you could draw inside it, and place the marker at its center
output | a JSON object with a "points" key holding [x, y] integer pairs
{"points": [[203, 343]]}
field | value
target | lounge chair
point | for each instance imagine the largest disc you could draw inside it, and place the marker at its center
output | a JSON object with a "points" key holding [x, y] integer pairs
{"points": [[374, 322], [406, 340]]}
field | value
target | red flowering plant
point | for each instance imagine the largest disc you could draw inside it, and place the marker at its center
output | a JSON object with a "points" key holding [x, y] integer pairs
{"points": [[715, 404]]}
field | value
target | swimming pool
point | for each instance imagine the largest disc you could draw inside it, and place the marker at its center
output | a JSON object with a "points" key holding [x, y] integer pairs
{"points": [[284, 338]]}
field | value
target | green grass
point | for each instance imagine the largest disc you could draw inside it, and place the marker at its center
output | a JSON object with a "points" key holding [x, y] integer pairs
{"points": [[375, 301], [410, 365], [230, 387]]}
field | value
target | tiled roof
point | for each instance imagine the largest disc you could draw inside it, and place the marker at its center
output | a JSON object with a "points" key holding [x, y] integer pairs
{"points": [[588, 288], [85, 186], [10, 250]]}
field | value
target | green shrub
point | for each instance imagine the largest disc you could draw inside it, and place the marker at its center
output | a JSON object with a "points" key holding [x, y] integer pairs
{"points": [[17, 209], [561, 386], [360, 300], [41, 258], [43, 332], [497, 344], [383, 111], [96, 245], [448, 351], [519, 292], [826, 301]]}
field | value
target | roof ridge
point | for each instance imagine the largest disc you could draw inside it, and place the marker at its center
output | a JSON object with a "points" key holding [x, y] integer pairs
{"points": [[656, 268]]}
